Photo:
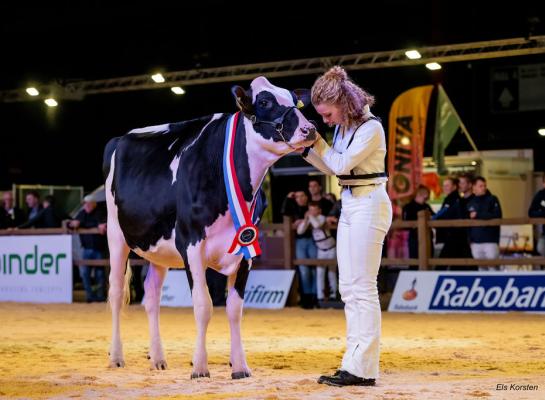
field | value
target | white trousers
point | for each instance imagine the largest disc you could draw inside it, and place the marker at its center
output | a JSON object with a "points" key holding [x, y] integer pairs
{"points": [[331, 274], [486, 251], [365, 219]]}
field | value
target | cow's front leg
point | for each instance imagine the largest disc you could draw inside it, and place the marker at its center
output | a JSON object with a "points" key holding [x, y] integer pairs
{"points": [[235, 300], [202, 309], [153, 285]]}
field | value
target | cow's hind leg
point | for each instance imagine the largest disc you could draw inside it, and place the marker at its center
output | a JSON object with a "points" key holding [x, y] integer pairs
{"points": [[119, 274], [235, 298], [202, 309], [153, 285]]}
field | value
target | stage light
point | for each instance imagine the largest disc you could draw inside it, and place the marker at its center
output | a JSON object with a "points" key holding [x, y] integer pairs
{"points": [[158, 78], [541, 131], [51, 102], [413, 54], [177, 90], [433, 66], [32, 91]]}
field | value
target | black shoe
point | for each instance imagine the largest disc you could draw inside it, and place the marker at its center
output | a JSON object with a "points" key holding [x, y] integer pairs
{"points": [[343, 378]]}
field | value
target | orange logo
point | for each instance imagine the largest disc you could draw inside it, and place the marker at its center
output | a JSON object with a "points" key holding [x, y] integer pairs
{"points": [[411, 293]]}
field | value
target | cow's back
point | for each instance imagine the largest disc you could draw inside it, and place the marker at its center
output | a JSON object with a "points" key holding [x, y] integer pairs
{"points": [[146, 164]]}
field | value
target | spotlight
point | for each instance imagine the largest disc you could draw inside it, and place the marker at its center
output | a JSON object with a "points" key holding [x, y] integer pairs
{"points": [[51, 102], [413, 54], [177, 90], [158, 78], [433, 66], [32, 91]]}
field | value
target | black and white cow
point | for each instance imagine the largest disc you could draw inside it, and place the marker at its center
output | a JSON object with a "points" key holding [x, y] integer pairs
{"points": [[167, 202]]}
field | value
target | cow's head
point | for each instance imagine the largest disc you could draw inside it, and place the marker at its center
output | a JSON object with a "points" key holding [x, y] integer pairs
{"points": [[275, 115]]}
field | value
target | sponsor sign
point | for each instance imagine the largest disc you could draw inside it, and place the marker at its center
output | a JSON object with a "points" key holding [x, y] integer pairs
{"points": [[422, 291], [36, 269], [264, 289]]}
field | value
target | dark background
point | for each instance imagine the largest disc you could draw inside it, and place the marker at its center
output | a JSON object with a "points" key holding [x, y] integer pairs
{"points": [[64, 41]]}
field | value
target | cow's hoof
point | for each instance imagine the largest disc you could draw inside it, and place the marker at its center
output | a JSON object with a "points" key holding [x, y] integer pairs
{"points": [[240, 375], [159, 365], [196, 375], [117, 363]]}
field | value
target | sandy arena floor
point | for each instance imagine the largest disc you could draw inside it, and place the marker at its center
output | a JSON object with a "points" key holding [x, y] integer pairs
{"points": [[60, 351]]}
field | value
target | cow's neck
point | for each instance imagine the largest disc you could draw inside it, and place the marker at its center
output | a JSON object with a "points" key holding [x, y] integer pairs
{"points": [[260, 159]]}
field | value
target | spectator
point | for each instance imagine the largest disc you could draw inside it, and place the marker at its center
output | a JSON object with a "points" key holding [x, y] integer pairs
{"points": [[94, 247], [332, 218], [537, 210], [315, 190], [455, 240], [465, 185], [297, 204], [484, 239], [32, 200], [10, 214], [410, 213], [48, 217], [325, 243]]}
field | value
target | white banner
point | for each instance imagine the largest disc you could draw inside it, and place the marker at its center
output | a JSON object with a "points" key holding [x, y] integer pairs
{"points": [[487, 291], [36, 269], [264, 289]]}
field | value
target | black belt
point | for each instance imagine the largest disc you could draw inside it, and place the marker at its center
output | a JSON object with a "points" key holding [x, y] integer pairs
{"points": [[366, 176]]}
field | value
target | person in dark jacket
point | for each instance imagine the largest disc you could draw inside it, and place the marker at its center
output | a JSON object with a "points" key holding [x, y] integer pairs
{"points": [[456, 243], [484, 239], [48, 217], [10, 214], [537, 210], [94, 247], [410, 213]]}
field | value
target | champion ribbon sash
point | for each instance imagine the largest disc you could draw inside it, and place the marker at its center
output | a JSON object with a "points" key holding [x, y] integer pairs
{"points": [[245, 241]]}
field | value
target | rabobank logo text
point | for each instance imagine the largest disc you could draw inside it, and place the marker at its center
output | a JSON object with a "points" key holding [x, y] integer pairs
{"points": [[489, 293]]}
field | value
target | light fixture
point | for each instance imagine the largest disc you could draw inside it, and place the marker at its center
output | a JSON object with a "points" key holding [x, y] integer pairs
{"points": [[158, 78], [541, 131], [51, 102], [433, 66], [32, 91], [177, 90], [413, 54], [405, 141], [473, 162]]}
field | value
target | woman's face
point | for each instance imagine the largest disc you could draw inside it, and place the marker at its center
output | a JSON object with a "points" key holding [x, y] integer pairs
{"points": [[331, 114]]}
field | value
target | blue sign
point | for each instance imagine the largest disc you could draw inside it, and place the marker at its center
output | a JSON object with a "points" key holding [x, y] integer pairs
{"points": [[489, 293]]}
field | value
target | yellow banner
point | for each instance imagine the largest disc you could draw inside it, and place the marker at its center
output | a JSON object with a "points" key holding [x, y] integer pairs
{"points": [[406, 131]]}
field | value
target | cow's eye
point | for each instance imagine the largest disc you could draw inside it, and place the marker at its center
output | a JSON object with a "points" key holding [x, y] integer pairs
{"points": [[263, 103]]}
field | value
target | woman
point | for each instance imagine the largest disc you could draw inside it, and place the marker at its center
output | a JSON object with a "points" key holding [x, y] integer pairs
{"points": [[356, 157]]}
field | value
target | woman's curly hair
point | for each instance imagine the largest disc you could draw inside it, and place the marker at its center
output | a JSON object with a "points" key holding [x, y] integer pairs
{"points": [[335, 87]]}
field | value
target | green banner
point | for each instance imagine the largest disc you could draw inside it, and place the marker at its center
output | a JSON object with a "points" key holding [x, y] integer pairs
{"points": [[447, 124]]}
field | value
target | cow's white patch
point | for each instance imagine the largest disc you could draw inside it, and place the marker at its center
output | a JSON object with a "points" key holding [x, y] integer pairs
{"points": [[215, 116], [219, 237], [283, 96], [163, 253], [164, 128], [174, 167]]}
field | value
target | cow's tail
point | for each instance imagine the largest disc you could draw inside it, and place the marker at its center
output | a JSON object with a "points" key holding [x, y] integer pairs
{"points": [[127, 284], [107, 159]]}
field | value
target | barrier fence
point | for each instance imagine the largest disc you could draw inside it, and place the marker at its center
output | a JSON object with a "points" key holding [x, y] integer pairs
{"points": [[286, 232]]}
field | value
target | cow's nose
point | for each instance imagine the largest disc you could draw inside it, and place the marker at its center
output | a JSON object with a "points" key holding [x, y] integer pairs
{"points": [[309, 131]]}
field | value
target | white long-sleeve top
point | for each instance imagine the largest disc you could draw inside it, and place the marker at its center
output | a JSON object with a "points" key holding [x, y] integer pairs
{"points": [[365, 155], [321, 235]]}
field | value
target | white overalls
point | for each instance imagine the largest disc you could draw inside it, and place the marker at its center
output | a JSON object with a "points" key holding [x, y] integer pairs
{"points": [[365, 219]]}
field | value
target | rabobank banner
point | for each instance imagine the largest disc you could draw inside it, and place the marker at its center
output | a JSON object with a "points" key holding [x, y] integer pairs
{"points": [[36, 269], [423, 291], [264, 289]]}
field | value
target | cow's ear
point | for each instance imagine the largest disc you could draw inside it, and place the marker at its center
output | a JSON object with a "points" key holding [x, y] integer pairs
{"points": [[244, 102], [302, 97]]}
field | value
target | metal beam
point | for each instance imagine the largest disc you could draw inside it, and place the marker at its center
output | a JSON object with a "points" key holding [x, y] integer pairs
{"points": [[382, 59]]}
